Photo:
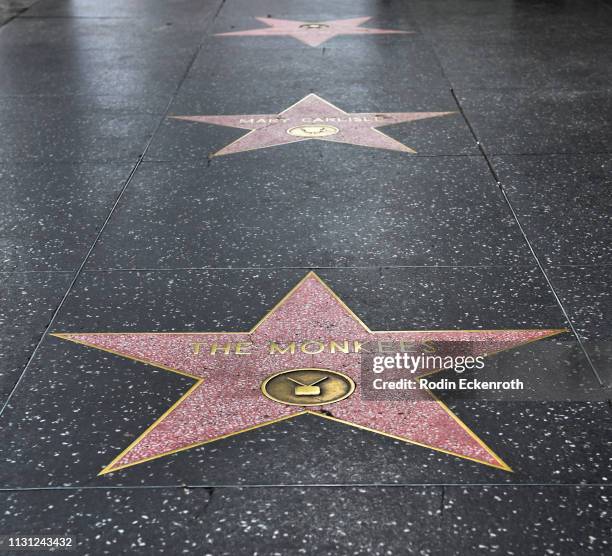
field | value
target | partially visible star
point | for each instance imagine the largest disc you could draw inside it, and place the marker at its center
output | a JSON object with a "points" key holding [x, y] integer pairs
{"points": [[313, 33], [313, 118]]}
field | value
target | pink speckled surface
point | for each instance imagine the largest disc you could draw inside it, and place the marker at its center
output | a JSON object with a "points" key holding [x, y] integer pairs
{"points": [[270, 130], [312, 36], [229, 398]]}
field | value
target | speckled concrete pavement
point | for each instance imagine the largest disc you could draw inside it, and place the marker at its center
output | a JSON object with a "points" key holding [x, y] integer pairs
{"points": [[200, 195]]}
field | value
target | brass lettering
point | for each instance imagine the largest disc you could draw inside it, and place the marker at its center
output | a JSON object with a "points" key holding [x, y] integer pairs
{"points": [[430, 347], [225, 348], [320, 346], [386, 346], [275, 348], [242, 348], [343, 348]]}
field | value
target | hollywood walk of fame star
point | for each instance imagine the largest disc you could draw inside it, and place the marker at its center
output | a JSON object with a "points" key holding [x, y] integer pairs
{"points": [[230, 370], [310, 32], [313, 118]]}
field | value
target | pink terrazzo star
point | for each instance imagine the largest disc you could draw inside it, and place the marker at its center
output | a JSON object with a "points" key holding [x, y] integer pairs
{"points": [[229, 368], [313, 118], [310, 32]]}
